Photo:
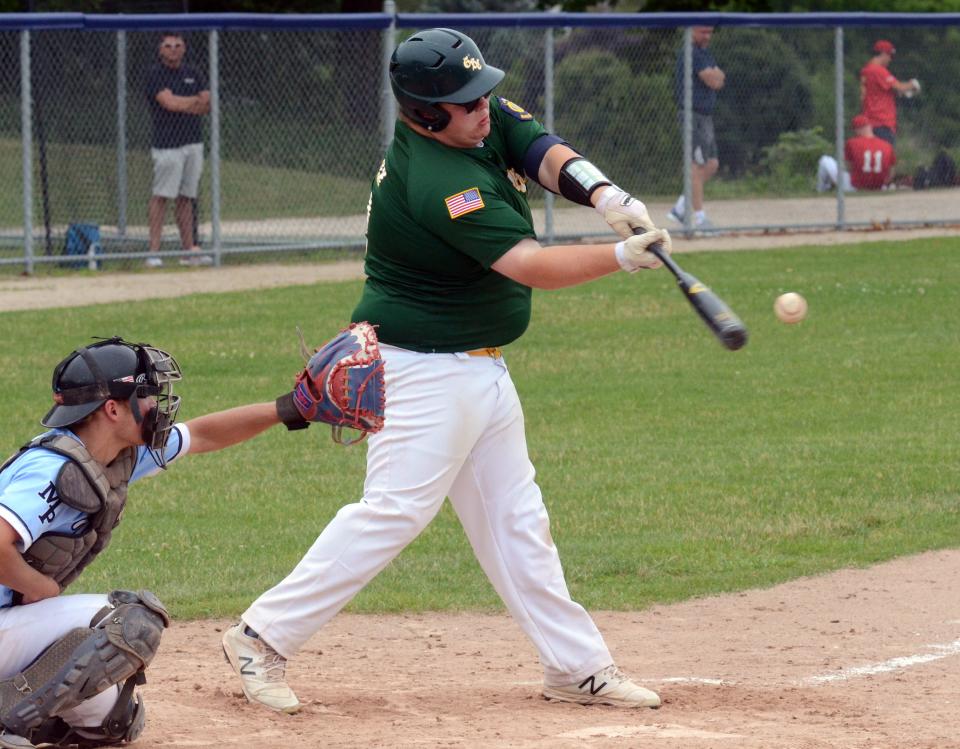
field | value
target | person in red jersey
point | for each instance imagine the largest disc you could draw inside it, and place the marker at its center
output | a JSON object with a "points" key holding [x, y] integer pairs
{"points": [[869, 160], [879, 90]]}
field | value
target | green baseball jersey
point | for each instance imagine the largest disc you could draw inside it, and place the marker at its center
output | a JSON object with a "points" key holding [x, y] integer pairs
{"points": [[438, 218]]}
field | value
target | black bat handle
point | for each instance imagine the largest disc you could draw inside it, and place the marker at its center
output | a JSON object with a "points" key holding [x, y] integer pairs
{"points": [[657, 249]]}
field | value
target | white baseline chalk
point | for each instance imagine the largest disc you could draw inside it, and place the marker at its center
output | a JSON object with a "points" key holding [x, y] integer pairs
{"points": [[894, 664]]}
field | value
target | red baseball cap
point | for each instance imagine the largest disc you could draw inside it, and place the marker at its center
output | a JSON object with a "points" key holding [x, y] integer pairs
{"points": [[861, 120], [882, 45]]}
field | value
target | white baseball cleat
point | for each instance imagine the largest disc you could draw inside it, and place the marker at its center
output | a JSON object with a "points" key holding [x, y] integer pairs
{"points": [[609, 686], [261, 670]]}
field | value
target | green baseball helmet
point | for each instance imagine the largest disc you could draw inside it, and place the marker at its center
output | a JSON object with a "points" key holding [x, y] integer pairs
{"points": [[439, 65]]}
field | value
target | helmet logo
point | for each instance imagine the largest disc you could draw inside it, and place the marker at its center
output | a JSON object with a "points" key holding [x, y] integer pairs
{"points": [[472, 63]]}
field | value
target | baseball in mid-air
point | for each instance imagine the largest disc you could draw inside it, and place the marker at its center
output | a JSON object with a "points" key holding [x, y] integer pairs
{"points": [[790, 307]]}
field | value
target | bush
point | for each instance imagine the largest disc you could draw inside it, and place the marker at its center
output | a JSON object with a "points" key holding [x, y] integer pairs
{"points": [[624, 128], [792, 160]]}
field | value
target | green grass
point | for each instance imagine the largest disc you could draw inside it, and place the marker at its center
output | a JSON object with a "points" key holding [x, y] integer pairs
{"points": [[11, 172], [671, 468], [250, 191]]}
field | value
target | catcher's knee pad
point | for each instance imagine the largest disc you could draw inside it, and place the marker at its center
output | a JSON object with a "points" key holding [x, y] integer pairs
{"points": [[123, 725], [120, 643]]}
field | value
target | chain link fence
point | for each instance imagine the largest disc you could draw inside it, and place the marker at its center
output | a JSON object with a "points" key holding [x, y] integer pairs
{"points": [[300, 113], [11, 145]]}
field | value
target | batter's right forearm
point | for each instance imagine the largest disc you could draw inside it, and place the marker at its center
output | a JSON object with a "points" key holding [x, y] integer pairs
{"points": [[557, 267]]}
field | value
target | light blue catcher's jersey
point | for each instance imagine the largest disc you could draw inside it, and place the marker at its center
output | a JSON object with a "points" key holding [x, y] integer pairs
{"points": [[29, 500]]}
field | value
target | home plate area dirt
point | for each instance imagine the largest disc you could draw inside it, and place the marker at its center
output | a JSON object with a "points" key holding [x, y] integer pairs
{"points": [[860, 658]]}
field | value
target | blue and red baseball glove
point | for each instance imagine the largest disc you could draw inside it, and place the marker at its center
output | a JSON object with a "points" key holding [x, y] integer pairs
{"points": [[341, 385]]}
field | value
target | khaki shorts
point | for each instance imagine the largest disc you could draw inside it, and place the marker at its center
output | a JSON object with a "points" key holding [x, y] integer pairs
{"points": [[176, 171]]}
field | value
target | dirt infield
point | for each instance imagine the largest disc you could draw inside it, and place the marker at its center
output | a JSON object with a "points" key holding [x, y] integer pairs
{"points": [[856, 659]]}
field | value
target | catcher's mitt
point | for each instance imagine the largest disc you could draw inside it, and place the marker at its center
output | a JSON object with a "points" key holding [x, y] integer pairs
{"points": [[341, 385]]}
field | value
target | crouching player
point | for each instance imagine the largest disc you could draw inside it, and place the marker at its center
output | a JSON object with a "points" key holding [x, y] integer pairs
{"points": [[69, 664]]}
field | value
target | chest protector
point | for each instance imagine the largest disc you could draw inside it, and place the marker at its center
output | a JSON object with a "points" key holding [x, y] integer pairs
{"points": [[85, 485]]}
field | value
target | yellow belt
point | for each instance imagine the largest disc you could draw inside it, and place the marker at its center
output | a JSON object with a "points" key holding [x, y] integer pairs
{"points": [[493, 352]]}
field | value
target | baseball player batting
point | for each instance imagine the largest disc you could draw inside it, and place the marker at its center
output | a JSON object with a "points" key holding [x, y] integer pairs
{"points": [[452, 259]]}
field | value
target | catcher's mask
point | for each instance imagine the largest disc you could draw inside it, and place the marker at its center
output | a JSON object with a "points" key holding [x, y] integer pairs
{"points": [[439, 65], [114, 369]]}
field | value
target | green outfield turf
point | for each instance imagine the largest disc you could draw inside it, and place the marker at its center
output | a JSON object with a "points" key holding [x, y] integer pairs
{"points": [[251, 192], [671, 467]]}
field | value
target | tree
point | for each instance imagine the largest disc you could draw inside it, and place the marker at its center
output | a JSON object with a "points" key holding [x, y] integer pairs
{"points": [[632, 136], [767, 92]]}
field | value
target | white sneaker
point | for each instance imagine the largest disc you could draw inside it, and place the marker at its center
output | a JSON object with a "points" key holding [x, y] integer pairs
{"points": [[704, 224], [12, 741], [195, 258], [609, 686], [674, 216], [153, 262], [261, 670]]}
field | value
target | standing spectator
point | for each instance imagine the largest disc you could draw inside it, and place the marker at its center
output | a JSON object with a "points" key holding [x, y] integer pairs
{"points": [[177, 95], [869, 160], [708, 79], [879, 89]]}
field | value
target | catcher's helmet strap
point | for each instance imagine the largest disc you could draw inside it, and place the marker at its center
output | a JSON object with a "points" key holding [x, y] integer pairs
{"points": [[81, 395], [100, 390]]}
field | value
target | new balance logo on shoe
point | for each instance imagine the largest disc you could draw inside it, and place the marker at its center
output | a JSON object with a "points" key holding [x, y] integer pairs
{"points": [[244, 662], [591, 681]]}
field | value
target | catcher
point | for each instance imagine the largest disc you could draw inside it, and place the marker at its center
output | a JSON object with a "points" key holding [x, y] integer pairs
{"points": [[69, 664]]}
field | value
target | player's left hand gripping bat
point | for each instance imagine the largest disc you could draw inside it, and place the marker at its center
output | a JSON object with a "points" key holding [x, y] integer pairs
{"points": [[723, 323]]}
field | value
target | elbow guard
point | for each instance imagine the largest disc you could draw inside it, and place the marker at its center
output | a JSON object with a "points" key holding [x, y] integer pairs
{"points": [[578, 180]]}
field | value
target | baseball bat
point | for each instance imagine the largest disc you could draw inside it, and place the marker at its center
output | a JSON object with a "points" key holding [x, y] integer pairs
{"points": [[722, 321]]}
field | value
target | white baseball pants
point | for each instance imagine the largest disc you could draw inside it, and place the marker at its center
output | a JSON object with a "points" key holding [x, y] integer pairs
{"points": [[26, 631], [453, 427], [827, 175]]}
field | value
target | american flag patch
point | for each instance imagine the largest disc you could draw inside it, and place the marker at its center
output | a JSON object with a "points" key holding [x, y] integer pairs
{"points": [[464, 202]]}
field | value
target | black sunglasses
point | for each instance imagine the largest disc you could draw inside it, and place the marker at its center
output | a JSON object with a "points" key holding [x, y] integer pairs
{"points": [[471, 105]]}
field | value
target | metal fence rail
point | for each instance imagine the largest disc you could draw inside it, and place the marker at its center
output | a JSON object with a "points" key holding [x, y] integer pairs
{"points": [[301, 111]]}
